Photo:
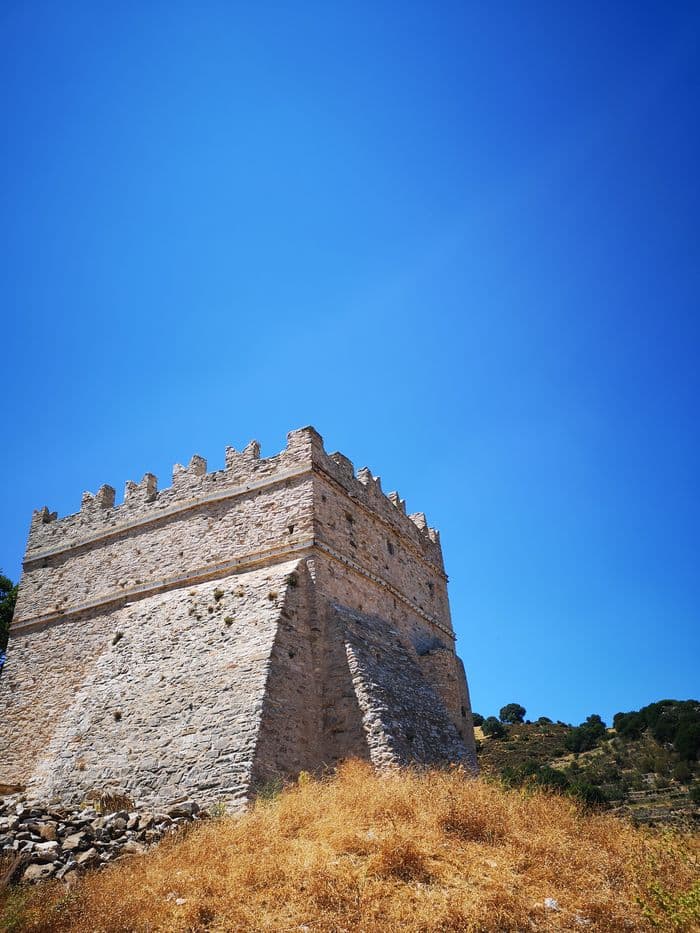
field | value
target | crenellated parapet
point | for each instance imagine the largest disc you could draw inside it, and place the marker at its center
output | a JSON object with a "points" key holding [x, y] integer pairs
{"points": [[365, 488], [191, 484], [244, 471], [42, 517], [103, 499], [136, 494]]}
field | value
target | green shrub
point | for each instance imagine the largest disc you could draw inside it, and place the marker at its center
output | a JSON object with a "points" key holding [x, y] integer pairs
{"points": [[687, 739], [551, 778], [587, 793], [493, 728], [586, 736]]}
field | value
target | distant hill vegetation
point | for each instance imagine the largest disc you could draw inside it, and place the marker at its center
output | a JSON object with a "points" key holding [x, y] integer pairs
{"points": [[646, 766]]}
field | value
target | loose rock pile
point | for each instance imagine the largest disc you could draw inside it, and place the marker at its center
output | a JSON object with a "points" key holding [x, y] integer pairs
{"points": [[58, 842]]}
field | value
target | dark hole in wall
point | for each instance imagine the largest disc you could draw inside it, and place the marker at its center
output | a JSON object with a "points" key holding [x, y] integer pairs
{"points": [[425, 644]]}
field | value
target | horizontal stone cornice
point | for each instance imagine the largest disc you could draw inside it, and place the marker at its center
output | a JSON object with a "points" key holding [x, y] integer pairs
{"points": [[117, 599], [384, 584], [106, 602], [233, 492], [178, 508]]}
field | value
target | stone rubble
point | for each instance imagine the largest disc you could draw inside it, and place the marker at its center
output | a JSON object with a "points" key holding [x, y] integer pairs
{"points": [[55, 841]]}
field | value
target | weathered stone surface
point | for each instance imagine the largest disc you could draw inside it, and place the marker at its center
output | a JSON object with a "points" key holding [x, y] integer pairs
{"points": [[199, 641], [87, 858], [75, 841], [38, 872], [186, 808], [46, 851], [133, 848], [47, 830]]}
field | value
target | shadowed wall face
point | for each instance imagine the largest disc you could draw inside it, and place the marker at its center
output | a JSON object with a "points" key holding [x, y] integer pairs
{"points": [[277, 616]]}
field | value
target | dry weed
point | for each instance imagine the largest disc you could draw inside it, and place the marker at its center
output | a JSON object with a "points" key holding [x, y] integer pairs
{"points": [[407, 851]]}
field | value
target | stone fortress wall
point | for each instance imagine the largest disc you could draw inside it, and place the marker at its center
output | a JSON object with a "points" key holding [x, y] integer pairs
{"points": [[278, 615]]}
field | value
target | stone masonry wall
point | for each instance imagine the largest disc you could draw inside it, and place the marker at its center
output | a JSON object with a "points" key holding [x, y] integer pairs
{"points": [[289, 737], [200, 541], [403, 716], [243, 625], [172, 702], [431, 648], [351, 530]]}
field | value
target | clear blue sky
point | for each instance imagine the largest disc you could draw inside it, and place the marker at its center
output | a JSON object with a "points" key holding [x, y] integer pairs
{"points": [[460, 239]]}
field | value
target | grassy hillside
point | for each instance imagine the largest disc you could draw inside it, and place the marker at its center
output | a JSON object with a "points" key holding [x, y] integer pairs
{"points": [[646, 768], [409, 851]]}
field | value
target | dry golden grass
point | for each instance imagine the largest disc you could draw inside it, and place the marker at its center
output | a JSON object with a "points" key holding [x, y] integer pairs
{"points": [[407, 851]]}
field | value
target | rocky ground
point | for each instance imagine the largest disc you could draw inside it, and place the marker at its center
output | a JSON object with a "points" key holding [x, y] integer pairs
{"points": [[39, 841]]}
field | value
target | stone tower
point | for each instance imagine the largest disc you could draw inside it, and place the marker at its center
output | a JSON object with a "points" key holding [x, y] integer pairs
{"points": [[275, 616]]}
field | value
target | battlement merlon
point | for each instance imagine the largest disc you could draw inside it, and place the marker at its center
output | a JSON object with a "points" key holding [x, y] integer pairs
{"points": [[192, 485]]}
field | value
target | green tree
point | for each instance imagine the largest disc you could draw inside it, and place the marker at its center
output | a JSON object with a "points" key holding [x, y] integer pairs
{"points": [[682, 772], [671, 722], [585, 736], [8, 598], [494, 728], [687, 740], [512, 712], [477, 719], [631, 725]]}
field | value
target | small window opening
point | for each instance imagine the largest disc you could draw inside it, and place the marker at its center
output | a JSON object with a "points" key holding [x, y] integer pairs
{"points": [[390, 547], [349, 517], [290, 529]]}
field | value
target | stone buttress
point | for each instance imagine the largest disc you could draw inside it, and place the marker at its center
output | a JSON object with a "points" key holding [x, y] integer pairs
{"points": [[241, 626]]}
